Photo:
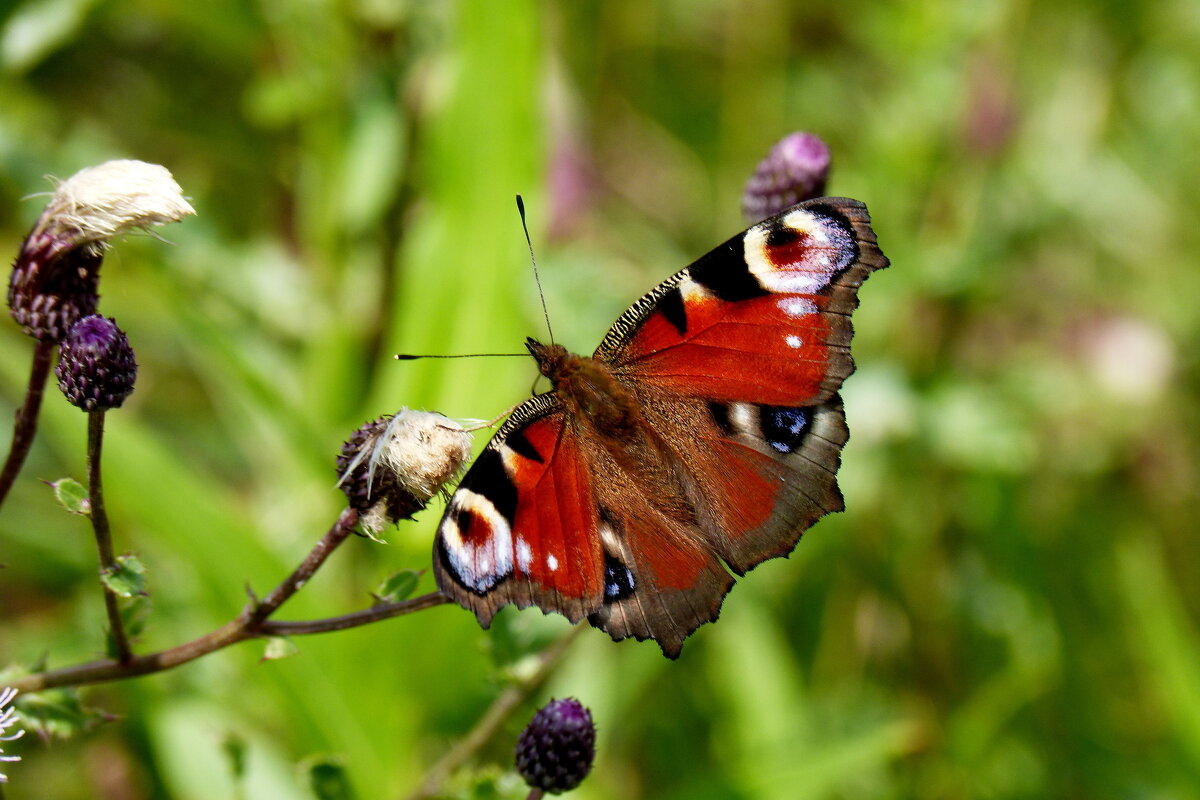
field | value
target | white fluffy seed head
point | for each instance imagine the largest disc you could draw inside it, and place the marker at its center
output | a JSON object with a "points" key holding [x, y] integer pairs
{"points": [[425, 450], [97, 203]]}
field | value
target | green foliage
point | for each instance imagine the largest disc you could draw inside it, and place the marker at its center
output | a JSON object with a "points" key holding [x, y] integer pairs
{"points": [[127, 578], [1006, 609], [279, 647], [398, 586], [72, 496]]}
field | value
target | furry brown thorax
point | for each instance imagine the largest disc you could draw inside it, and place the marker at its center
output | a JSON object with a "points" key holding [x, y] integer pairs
{"points": [[589, 389]]}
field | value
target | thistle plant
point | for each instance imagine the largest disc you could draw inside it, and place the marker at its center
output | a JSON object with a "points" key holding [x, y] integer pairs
{"points": [[55, 279]]}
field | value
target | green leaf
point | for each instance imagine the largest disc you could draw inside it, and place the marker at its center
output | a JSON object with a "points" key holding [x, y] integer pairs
{"points": [[279, 647], [398, 586], [56, 713], [327, 778], [72, 495], [234, 748], [134, 613], [127, 579]]}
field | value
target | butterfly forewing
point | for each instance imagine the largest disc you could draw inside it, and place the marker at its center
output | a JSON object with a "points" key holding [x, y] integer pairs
{"points": [[763, 318], [523, 526]]}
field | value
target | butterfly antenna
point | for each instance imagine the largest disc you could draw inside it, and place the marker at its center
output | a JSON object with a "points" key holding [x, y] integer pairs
{"points": [[537, 279], [415, 356]]}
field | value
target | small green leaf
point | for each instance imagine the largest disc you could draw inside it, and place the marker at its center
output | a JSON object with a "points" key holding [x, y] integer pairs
{"points": [[234, 748], [134, 613], [56, 713], [72, 495], [127, 579], [399, 586], [327, 778], [279, 647]]}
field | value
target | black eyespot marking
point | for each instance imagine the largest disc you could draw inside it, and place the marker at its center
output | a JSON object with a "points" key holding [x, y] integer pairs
{"points": [[781, 236], [488, 478], [783, 427], [671, 306], [724, 273], [720, 415], [519, 443], [618, 580]]}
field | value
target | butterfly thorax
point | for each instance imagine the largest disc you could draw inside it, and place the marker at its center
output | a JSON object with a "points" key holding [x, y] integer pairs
{"points": [[589, 390]]}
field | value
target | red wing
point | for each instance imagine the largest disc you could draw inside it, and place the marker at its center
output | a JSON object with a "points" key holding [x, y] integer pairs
{"points": [[522, 527], [764, 318]]}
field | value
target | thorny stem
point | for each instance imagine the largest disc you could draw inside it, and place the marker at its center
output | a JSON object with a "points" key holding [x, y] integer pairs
{"points": [[108, 560], [250, 624], [504, 704], [27, 417]]}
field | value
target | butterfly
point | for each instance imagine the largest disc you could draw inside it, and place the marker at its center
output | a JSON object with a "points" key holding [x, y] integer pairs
{"points": [[701, 438]]}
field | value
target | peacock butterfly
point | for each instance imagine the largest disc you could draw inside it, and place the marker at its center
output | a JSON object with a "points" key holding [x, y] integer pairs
{"points": [[701, 438]]}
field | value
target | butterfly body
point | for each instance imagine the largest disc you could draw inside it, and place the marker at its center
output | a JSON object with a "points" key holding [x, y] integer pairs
{"points": [[701, 438]]}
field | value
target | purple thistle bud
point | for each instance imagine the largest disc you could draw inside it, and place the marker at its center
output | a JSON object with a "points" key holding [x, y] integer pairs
{"points": [[392, 466], [557, 747], [795, 169], [55, 278], [96, 369]]}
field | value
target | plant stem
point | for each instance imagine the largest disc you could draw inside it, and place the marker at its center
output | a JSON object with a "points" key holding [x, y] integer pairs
{"points": [[500, 709], [250, 624], [25, 425], [108, 560]]}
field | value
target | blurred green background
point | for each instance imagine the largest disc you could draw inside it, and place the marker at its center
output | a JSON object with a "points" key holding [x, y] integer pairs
{"points": [[1009, 606]]}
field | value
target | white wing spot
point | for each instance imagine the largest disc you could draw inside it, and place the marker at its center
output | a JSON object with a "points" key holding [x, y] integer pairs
{"points": [[794, 341], [524, 554], [552, 562], [797, 306]]}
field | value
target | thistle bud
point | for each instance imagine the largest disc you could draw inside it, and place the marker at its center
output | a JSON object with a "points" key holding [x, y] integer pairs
{"points": [[55, 279], [557, 747], [391, 467], [96, 369], [795, 169]]}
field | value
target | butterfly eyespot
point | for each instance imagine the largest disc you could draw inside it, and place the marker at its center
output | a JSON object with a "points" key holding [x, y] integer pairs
{"points": [[784, 428], [619, 582], [475, 542]]}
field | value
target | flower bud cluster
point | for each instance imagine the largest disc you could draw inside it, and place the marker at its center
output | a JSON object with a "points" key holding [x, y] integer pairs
{"points": [[96, 368], [557, 747], [795, 169]]}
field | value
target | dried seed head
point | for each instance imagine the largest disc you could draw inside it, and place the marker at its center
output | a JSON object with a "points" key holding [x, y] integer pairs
{"points": [[794, 170], [55, 278], [557, 747], [96, 368], [8, 719], [391, 467]]}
